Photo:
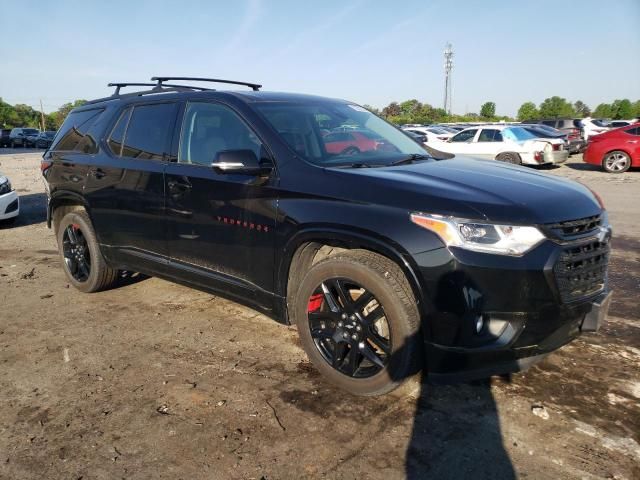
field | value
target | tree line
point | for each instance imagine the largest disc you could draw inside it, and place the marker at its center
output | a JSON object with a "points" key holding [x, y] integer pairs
{"points": [[413, 111], [21, 115], [559, 107]]}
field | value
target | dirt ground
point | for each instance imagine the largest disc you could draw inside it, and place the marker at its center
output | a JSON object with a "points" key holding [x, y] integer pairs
{"points": [[154, 380]]}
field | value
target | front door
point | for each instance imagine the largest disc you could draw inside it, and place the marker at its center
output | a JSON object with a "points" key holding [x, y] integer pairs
{"points": [[220, 225]]}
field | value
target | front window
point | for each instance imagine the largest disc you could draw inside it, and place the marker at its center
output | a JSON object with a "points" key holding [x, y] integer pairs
{"points": [[331, 133], [464, 136]]}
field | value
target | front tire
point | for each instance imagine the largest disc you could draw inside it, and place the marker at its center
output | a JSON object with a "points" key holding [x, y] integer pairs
{"points": [[616, 162], [83, 263], [359, 323]]}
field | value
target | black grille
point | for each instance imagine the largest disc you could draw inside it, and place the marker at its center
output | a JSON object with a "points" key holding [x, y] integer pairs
{"points": [[575, 227], [582, 270], [12, 207]]}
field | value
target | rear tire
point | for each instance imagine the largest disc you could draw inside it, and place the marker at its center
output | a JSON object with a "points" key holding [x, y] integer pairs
{"points": [[382, 319], [616, 162], [82, 261], [509, 157]]}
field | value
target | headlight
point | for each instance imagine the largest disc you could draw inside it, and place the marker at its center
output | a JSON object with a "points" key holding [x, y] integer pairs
{"points": [[481, 237], [5, 185]]}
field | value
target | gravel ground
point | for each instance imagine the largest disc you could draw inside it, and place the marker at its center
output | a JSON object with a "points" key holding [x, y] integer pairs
{"points": [[154, 380]]}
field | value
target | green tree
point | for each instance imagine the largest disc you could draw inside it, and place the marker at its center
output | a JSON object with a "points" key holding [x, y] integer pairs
{"points": [[410, 107], [528, 111], [621, 109], [556, 107], [603, 111], [581, 109], [488, 110], [391, 110], [636, 109]]}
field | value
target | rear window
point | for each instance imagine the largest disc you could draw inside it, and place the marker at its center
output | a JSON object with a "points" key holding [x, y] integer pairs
{"points": [[149, 131], [75, 135]]}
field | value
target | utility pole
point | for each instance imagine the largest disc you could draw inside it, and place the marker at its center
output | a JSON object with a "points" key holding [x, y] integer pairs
{"points": [[448, 66], [42, 116]]}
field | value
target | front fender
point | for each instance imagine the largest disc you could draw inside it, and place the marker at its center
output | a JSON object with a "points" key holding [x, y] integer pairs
{"points": [[344, 237]]}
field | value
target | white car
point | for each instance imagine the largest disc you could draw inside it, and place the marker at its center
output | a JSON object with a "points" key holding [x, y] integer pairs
{"points": [[593, 126], [506, 143], [9, 202], [434, 134]]}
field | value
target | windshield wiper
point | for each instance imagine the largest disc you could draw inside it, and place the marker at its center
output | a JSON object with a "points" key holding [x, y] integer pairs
{"points": [[354, 165], [410, 159]]}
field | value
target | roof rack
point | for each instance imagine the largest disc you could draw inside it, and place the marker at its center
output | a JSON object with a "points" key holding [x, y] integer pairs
{"points": [[254, 86], [155, 85]]}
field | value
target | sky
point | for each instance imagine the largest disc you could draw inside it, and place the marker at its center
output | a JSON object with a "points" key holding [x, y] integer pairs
{"points": [[367, 51]]}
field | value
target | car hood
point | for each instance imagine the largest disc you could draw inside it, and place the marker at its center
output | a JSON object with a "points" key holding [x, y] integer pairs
{"points": [[475, 189]]}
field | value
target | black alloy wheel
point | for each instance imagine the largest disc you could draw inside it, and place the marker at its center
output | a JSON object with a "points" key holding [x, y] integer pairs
{"points": [[349, 328], [76, 253]]}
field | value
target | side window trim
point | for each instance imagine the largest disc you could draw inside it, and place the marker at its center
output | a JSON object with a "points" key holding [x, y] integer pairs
{"points": [[126, 111]]}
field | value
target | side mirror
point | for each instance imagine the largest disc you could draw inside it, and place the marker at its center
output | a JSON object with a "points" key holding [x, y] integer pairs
{"points": [[243, 162]]}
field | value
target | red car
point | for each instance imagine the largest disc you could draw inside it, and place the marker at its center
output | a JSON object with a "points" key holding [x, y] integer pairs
{"points": [[616, 150], [349, 143]]}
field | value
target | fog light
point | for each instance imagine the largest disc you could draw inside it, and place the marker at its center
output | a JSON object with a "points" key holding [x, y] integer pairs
{"points": [[479, 323]]}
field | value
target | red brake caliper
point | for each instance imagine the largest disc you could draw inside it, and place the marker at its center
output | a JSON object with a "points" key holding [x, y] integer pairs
{"points": [[315, 302]]}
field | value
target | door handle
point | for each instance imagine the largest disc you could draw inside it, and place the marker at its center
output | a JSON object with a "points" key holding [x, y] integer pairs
{"points": [[178, 187], [632, 141], [98, 173]]}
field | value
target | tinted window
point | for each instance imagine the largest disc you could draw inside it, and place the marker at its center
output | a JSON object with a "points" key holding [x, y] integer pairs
{"points": [[466, 135], [551, 123], [633, 131], [74, 134], [148, 134], [117, 134], [209, 128], [490, 135]]}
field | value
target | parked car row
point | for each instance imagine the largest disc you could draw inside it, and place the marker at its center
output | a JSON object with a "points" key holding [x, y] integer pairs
{"points": [[26, 137]]}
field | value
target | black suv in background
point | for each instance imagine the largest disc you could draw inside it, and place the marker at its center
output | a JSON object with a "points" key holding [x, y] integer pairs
{"points": [[18, 136], [386, 259]]}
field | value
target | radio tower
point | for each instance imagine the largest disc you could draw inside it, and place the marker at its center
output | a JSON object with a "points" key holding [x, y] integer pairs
{"points": [[448, 66]]}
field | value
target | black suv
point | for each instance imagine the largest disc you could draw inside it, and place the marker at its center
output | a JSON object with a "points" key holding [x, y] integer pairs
{"points": [[387, 260]]}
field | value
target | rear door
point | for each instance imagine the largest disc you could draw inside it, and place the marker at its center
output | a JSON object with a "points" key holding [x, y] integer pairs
{"points": [[125, 184], [632, 140], [220, 225], [488, 144]]}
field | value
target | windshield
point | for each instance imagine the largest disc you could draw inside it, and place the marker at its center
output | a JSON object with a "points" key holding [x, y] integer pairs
{"points": [[331, 133], [518, 134], [30, 131]]}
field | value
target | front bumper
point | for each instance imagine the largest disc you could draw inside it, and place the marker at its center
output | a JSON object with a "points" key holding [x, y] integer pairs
{"points": [[491, 314], [9, 205]]}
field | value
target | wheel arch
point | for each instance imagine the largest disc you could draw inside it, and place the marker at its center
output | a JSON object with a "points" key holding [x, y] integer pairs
{"points": [[64, 198], [302, 250]]}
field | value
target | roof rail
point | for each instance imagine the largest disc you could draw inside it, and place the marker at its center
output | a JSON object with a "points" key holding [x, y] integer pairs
{"points": [[254, 86], [155, 85]]}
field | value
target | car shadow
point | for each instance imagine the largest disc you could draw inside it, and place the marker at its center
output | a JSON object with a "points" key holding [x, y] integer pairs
{"points": [[33, 210], [584, 167], [456, 432]]}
